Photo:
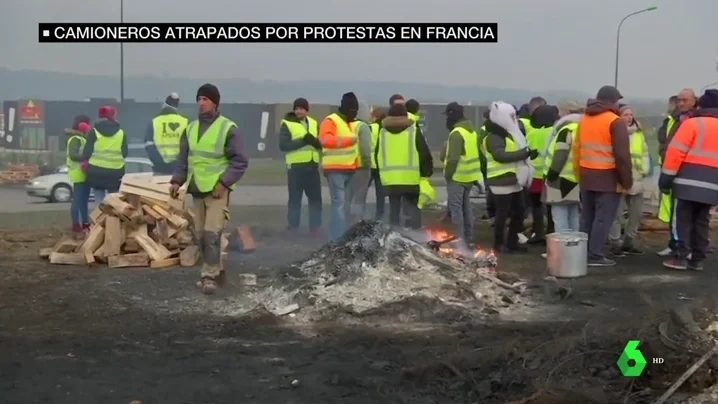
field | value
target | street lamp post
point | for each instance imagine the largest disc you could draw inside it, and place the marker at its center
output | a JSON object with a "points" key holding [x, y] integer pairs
{"points": [[715, 83], [618, 38], [122, 56]]}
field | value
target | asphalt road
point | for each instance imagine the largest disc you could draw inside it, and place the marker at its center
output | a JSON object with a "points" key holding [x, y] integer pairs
{"points": [[13, 199]]}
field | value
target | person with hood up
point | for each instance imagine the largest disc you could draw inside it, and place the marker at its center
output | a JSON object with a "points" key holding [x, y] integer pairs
{"points": [[561, 191], [377, 116], [690, 172], [340, 159], [76, 167], [162, 139], [542, 120], [359, 184], [299, 139], [602, 153], [211, 162], [105, 151], [462, 170], [403, 159], [632, 198], [508, 173]]}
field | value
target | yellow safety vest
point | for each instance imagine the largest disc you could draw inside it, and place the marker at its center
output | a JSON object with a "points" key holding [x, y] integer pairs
{"points": [[638, 150], [306, 153], [374, 141], [469, 168], [494, 168], [398, 158], [536, 140], [167, 131], [414, 117], [74, 169], [527, 125], [568, 171], [108, 151], [344, 157], [207, 161], [665, 205], [427, 193]]}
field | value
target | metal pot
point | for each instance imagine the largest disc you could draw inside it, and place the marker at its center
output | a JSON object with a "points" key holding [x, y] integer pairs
{"points": [[567, 254]]}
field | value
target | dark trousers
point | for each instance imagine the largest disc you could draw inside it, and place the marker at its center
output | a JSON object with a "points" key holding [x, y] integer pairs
{"points": [[409, 204], [509, 207], [490, 203], [304, 180], [598, 211], [540, 227], [692, 226], [379, 192], [673, 241]]}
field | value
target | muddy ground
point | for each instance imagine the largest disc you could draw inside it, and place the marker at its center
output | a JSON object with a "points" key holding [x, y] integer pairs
{"points": [[79, 335]]}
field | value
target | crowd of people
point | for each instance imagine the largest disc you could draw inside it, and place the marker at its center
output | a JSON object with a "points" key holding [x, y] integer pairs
{"points": [[575, 167]]}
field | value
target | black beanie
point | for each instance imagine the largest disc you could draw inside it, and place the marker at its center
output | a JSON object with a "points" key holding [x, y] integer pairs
{"points": [[350, 102], [397, 110], [301, 103], [78, 120], [172, 100], [210, 91], [412, 106]]}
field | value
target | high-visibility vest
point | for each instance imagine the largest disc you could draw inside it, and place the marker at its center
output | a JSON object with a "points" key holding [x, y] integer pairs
{"points": [[568, 171], [692, 157], [638, 152], [536, 139], [356, 127], [74, 169], [306, 153], [167, 130], [207, 160], [108, 151], [665, 205], [345, 157], [469, 168], [414, 117], [594, 138], [527, 125], [398, 158], [427, 193], [374, 141], [494, 168]]}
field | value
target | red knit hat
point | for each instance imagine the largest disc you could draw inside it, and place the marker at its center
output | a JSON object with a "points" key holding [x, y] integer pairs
{"points": [[107, 112]]}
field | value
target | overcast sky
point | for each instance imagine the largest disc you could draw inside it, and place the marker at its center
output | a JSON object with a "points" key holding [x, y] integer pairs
{"points": [[544, 44]]}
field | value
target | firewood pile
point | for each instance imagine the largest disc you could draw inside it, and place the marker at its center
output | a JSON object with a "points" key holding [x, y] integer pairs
{"points": [[140, 226], [18, 173]]}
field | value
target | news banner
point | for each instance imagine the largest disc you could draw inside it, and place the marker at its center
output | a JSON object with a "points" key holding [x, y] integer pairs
{"points": [[478, 32]]}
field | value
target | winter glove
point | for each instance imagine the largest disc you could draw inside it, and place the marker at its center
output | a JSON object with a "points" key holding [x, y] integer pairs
{"points": [[665, 183], [533, 153]]}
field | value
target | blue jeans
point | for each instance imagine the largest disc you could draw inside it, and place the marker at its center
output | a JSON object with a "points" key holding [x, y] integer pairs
{"points": [[338, 186], [78, 207], [99, 194], [566, 217]]}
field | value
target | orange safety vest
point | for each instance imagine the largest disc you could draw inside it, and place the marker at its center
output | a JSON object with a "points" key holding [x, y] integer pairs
{"points": [[595, 151], [692, 157]]}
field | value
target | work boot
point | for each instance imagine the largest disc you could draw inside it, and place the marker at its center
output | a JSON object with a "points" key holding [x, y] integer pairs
{"points": [[666, 252], [617, 251], [601, 262], [676, 263], [77, 232], [695, 266], [631, 250]]}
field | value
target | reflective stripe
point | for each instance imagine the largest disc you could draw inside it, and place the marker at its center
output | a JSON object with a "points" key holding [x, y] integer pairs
{"points": [[413, 163], [464, 160], [218, 147], [697, 149], [696, 183]]}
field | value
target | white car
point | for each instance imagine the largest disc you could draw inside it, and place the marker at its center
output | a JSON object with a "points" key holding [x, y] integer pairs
{"points": [[57, 187]]}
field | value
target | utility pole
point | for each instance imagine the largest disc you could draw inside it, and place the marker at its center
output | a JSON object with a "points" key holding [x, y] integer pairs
{"points": [[122, 56]]}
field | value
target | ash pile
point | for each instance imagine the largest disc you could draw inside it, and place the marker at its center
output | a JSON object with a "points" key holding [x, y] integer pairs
{"points": [[373, 266]]}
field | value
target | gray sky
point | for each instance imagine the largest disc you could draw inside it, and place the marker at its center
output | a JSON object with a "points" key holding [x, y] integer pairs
{"points": [[544, 44]]}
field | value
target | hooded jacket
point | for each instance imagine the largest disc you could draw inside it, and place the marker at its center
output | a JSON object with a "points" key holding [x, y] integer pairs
{"points": [[152, 153], [287, 144], [559, 190], [496, 145], [607, 180], [98, 177], [396, 125]]}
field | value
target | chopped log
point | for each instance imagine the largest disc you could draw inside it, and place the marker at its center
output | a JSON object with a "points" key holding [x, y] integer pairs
{"points": [[245, 240], [95, 214], [189, 256], [140, 230], [155, 251], [100, 255], [45, 252], [114, 236], [165, 263], [89, 257], [135, 201], [67, 245], [176, 220], [160, 232], [148, 220], [172, 244], [128, 260], [94, 240], [184, 237], [120, 207], [149, 211], [67, 258], [131, 246]]}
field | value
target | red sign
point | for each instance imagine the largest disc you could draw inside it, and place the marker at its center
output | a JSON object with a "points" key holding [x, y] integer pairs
{"points": [[31, 112]]}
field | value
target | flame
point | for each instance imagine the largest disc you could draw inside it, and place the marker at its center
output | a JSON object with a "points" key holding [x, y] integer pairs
{"points": [[440, 235]]}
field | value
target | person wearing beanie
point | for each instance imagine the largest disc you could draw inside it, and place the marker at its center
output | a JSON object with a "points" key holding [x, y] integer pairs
{"points": [[690, 173], [105, 152], [412, 109], [340, 159], [218, 161], [685, 104], [162, 138], [80, 190], [299, 139], [377, 115], [623, 242], [359, 184], [400, 179]]}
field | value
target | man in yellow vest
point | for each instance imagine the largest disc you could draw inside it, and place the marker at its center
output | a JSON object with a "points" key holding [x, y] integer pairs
{"points": [[403, 160], [299, 139], [76, 171], [542, 120], [525, 120], [685, 104], [105, 152], [162, 140], [462, 170], [377, 115], [359, 184], [211, 162]]}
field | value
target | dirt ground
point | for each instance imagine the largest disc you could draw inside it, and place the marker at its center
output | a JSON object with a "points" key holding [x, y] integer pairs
{"points": [[79, 335]]}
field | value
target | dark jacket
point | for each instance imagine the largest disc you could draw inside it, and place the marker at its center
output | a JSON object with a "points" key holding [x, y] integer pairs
{"points": [[74, 149], [287, 144], [98, 177], [233, 149], [160, 166], [664, 138], [496, 146], [543, 117], [397, 124], [608, 180], [456, 148]]}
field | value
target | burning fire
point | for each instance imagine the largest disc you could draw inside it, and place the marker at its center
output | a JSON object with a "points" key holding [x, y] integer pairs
{"points": [[439, 236]]}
